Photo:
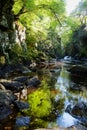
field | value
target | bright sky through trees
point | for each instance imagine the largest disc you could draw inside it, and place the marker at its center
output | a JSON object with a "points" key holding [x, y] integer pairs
{"points": [[71, 5]]}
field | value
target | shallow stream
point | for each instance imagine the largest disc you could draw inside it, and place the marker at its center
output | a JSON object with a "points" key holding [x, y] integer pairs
{"points": [[60, 101]]}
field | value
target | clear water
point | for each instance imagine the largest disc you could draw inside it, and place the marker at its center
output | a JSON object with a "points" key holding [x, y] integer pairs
{"points": [[49, 101]]}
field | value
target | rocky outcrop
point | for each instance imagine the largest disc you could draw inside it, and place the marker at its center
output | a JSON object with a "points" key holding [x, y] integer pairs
{"points": [[14, 86], [13, 89], [11, 32], [11, 69], [7, 34]]}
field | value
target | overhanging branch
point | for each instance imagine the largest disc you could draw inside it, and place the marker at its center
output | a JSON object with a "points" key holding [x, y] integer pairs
{"points": [[22, 11]]}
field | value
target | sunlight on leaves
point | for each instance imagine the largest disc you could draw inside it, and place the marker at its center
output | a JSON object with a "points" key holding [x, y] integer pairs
{"points": [[17, 6]]}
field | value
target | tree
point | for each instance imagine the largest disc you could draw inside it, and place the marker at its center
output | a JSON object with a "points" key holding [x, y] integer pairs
{"points": [[74, 32], [81, 12], [38, 17]]}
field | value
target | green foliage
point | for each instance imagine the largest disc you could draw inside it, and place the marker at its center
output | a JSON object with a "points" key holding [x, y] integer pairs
{"points": [[48, 31], [17, 49], [82, 6], [38, 17], [18, 4], [30, 5], [78, 42], [81, 12]]}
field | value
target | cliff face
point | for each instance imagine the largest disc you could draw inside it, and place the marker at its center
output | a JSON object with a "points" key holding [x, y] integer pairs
{"points": [[10, 31], [7, 33]]}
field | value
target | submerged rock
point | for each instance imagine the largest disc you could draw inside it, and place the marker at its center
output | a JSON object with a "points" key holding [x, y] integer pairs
{"points": [[78, 111], [21, 105], [75, 87], [22, 121]]}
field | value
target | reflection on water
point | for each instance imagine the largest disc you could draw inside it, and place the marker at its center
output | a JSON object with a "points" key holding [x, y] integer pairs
{"points": [[66, 120], [63, 81], [49, 102], [71, 98]]}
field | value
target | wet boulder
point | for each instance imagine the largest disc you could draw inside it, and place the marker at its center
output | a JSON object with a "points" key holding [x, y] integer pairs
{"points": [[21, 105], [33, 82], [12, 85], [24, 70], [21, 79], [6, 70], [6, 97], [22, 121], [75, 87], [79, 111], [20, 68]]}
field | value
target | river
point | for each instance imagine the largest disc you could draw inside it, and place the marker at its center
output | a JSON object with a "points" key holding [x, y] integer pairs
{"points": [[60, 100]]}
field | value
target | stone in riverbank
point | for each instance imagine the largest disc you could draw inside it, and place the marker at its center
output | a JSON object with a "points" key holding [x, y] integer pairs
{"points": [[33, 82], [21, 105], [6, 99], [14, 86]]}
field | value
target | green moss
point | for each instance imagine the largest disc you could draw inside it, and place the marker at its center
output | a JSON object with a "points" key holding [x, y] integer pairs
{"points": [[40, 103], [2, 60]]}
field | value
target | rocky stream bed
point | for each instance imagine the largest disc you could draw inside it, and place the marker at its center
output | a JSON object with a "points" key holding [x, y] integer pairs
{"points": [[18, 81]]}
